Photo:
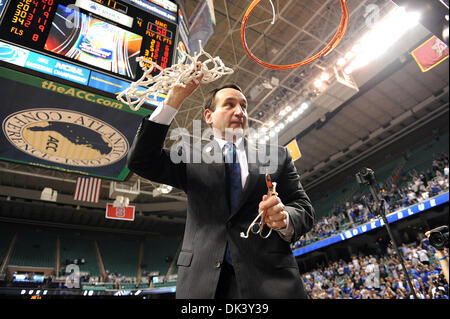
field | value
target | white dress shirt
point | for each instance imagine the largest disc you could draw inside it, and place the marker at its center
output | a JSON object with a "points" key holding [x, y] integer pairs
{"points": [[164, 114]]}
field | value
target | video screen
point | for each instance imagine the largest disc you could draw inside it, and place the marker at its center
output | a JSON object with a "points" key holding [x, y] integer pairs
{"points": [[28, 278], [90, 40]]}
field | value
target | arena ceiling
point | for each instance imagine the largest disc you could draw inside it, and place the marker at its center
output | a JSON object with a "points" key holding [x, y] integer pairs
{"points": [[393, 103]]}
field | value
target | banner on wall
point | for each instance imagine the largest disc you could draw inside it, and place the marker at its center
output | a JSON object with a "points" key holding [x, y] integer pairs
{"points": [[120, 213], [430, 53], [56, 126]]}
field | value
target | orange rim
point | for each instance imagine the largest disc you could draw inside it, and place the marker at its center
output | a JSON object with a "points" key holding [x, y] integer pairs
{"points": [[325, 51]]}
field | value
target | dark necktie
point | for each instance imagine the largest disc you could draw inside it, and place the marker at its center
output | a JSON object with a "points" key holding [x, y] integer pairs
{"points": [[233, 171], [234, 183]]}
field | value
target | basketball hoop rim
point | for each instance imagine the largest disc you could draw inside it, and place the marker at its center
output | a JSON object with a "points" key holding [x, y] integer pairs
{"points": [[339, 35]]}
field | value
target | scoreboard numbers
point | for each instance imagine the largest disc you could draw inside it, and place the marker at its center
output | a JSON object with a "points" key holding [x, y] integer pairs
{"points": [[38, 25]]}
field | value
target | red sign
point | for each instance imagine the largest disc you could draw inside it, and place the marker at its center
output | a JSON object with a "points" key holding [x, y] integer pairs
{"points": [[430, 53], [121, 213]]}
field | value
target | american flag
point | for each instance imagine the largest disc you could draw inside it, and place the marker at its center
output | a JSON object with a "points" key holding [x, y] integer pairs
{"points": [[88, 189]]}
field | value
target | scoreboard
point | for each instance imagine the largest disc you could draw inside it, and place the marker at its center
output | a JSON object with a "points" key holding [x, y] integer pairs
{"points": [[62, 62], [101, 38]]}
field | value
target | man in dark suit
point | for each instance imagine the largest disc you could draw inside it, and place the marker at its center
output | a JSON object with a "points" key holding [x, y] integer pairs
{"points": [[223, 200]]}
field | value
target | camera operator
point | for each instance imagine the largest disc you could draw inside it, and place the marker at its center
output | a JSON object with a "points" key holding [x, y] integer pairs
{"points": [[438, 238]]}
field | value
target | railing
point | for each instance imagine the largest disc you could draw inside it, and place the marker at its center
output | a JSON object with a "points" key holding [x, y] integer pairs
{"points": [[374, 223]]}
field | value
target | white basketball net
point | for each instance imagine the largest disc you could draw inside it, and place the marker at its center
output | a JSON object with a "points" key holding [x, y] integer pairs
{"points": [[177, 75]]}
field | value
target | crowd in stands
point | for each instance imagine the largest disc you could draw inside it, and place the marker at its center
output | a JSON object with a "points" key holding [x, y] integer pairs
{"points": [[381, 276], [406, 189]]}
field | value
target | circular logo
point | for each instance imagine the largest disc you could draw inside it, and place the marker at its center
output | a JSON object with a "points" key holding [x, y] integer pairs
{"points": [[65, 137]]}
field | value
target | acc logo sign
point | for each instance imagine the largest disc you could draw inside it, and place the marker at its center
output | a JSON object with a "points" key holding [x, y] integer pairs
{"points": [[65, 137]]}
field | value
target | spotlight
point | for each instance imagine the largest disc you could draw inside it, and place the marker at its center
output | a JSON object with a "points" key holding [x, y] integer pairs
{"points": [[349, 55], [318, 83], [356, 48], [348, 70], [270, 124], [304, 106], [445, 34], [288, 108], [341, 62], [325, 76]]}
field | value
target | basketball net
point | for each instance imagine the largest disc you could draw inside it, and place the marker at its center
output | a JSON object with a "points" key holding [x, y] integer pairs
{"points": [[179, 74]]}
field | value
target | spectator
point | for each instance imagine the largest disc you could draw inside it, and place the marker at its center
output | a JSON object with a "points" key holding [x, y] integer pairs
{"points": [[353, 213], [428, 280]]}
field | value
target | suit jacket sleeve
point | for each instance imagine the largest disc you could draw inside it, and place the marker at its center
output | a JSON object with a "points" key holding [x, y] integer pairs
{"points": [[298, 205], [148, 159]]}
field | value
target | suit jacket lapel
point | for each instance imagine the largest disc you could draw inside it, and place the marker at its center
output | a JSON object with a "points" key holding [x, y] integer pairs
{"points": [[217, 171], [215, 174]]}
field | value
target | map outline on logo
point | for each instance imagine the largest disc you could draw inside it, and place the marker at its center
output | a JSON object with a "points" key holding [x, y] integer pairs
{"points": [[51, 134]]}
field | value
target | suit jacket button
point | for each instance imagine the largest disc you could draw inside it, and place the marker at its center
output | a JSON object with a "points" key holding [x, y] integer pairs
{"points": [[218, 264]]}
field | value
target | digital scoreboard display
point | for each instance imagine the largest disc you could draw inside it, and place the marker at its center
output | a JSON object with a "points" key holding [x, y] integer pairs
{"points": [[101, 35]]}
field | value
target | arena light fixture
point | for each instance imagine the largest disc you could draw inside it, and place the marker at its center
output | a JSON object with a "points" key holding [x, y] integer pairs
{"points": [[341, 62], [318, 83], [325, 76], [379, 39], [349, 55]]}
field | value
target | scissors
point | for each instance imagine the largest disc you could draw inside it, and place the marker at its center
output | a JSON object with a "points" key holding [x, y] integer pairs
{"points": [[260, 220]]}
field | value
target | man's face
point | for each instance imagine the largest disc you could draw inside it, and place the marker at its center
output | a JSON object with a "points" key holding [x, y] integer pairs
{"points": [[230, 112]]}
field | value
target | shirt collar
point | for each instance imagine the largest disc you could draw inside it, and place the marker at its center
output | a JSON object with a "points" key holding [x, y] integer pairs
{"points": [[239, 143]]}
